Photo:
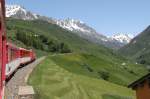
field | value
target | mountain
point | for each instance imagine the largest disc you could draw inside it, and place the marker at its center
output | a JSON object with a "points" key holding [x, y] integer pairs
{"points": [[75, 26], [119, 40], [17, 11], [122, 38], [86, 58], [85, 30], [139, 47], [87, 62], [82, 29]]}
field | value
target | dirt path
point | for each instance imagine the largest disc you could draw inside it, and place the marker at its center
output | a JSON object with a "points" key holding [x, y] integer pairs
{"points": [[19, 79]]}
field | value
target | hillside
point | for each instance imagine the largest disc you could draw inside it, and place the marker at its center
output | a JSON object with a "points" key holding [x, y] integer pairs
{"points": [[51, 81], [115, 71], [138, 48], [53, 32], [97, 56], [73, 55]]}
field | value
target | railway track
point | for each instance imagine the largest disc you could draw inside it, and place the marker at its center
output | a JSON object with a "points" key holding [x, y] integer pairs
{"points": [[19, 79]]}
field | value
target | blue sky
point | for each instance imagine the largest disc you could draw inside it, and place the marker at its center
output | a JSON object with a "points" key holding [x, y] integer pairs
{"points": [[106, 16]]}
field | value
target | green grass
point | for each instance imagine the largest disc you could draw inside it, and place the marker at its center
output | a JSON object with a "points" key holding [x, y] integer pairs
{"points": [[138, 49], [52, 31], [80, 73], [40, 53], [107, 96], [51, 81], [97, 67]]}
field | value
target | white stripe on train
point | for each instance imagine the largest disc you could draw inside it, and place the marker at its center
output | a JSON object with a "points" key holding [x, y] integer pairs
{"points": [[12, 66]]}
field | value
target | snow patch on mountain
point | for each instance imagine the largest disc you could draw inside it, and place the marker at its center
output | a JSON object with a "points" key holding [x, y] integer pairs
{"points": [[13, 9], [72, 25], [88, 32], [81, 29], [122, 38], [19, 12]]}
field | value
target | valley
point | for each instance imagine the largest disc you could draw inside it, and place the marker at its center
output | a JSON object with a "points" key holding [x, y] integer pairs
{"points": [[86, 69], [80, 63], [138, 49]]}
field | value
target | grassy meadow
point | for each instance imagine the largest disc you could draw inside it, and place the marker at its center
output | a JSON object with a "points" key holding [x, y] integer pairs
{"points": [[52, 81], [115, 71], [88, 71]]}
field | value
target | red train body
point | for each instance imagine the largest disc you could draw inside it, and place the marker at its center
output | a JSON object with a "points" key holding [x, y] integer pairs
{"points": [[2, 47], [17, 57], [11, 56]]}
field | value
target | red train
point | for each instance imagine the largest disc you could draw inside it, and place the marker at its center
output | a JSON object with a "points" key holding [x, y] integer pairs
{"points": [[2, 48], [11, 56], [16, 57]]}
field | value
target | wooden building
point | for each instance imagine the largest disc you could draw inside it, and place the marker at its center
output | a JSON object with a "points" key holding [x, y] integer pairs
{"points": [[142, 87]]}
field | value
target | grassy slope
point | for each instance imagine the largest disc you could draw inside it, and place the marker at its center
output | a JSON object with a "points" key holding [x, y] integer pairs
{"points": [[97, 56], [91, 65], [53, 82], [52, 31], [138, 48]]}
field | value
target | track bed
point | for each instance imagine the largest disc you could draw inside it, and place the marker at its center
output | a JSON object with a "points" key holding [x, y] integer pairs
{"points": [[19, 79]]}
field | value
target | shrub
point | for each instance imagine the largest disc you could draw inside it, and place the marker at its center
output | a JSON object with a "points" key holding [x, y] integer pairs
{"points": [[88, 67], [104, 74], [41, 42]]}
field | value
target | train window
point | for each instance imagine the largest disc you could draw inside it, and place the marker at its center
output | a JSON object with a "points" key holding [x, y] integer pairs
{"points": [[25, 53], [0, 25], [9, 55], [12, 54], [9, 68], [0, 21]]}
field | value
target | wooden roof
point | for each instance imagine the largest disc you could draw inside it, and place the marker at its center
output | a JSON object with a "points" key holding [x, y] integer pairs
{"points": [[139, 81]]}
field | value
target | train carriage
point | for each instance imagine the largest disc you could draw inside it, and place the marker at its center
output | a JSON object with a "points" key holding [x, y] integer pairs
{"points": [[11, 56], [2, 48], [17, 57], [13, 59], [26, 56]]}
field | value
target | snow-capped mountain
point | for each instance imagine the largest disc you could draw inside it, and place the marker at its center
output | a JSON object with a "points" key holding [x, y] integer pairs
{"points": [[78, 27], [81, 29], [122, 38], [87, 32], [70, 24], [19, 12]]}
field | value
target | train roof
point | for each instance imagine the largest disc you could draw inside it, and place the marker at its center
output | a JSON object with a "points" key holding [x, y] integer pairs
{"points": [[20, 48], [15, 47], [12, 45]]}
